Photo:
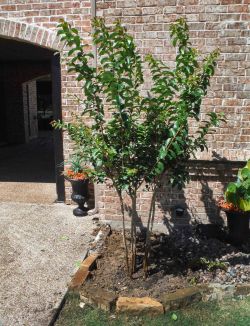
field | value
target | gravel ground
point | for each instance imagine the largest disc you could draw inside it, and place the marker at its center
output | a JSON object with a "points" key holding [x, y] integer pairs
{"points": [[40, 248]]}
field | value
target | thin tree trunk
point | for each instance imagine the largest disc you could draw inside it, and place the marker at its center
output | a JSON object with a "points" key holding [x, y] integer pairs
{"points": [[133, 234], [150, 223], [124, 231]]}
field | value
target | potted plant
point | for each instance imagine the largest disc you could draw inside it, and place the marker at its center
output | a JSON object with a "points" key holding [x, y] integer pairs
{"points": [[236, 204], [78, 175]]}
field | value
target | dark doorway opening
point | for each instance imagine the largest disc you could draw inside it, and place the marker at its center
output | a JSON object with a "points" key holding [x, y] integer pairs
{"points": [[44, 103], [30, 151]]}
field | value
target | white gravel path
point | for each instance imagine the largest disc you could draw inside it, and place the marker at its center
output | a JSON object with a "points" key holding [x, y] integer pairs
{"points": [[40, 247]]}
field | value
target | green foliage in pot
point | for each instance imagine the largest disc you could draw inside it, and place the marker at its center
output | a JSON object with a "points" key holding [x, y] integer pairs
{"points": [[145, 137], [76, 169], [76, 163], [238, 193]]}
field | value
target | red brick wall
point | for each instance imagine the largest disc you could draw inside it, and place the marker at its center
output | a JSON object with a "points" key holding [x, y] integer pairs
{"points": [[222, 24], [47, 13], [213, 23], [198, 198]]}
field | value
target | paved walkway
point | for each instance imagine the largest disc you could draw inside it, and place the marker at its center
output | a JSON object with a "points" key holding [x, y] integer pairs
{"points": [[28, 192], [40, 247]]}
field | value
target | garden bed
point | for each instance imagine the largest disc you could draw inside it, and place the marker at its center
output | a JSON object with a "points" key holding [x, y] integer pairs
{"points": [[179, 260]]}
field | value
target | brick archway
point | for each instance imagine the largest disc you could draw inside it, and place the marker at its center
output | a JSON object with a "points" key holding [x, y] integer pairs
{"points": [[31, 33]]}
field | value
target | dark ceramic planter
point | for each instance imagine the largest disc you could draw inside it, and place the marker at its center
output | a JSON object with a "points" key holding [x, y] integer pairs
{"points": [[79, 195], [238, 226]]}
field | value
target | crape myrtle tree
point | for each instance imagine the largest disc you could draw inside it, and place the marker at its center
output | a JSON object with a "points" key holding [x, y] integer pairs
{"points": [[145, 138]]}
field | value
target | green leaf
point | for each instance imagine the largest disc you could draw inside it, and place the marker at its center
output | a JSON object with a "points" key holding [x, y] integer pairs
{"points": [[107, 76], [77, 263], [244, 205], [244, 173], [64, 237], [177, 148], [174, 317], [162, 153], [231, 187], [159, 168], [231, 193], [74, 30]]}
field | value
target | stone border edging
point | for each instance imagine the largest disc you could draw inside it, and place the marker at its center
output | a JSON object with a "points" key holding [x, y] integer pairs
{"points": [[94, 252], [111, 302], [83, 272]]}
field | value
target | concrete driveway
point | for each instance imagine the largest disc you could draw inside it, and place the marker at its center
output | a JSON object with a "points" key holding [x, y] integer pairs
{"points": [[40, 248]]}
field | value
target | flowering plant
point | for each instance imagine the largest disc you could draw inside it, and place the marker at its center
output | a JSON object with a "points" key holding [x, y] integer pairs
{"points": [[75, 175], [77, 170], [222, 203], [237, 194]]}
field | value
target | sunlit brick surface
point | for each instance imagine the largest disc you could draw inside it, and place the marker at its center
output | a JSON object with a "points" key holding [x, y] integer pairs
{"points": [[223, 24]]}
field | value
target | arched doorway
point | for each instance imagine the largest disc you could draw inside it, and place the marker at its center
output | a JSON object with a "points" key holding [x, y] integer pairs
{"points": [[29, 75]]}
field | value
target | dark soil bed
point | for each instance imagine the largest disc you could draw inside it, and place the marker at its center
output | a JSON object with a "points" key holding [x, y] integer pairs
{"points": [[179, 260]]}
